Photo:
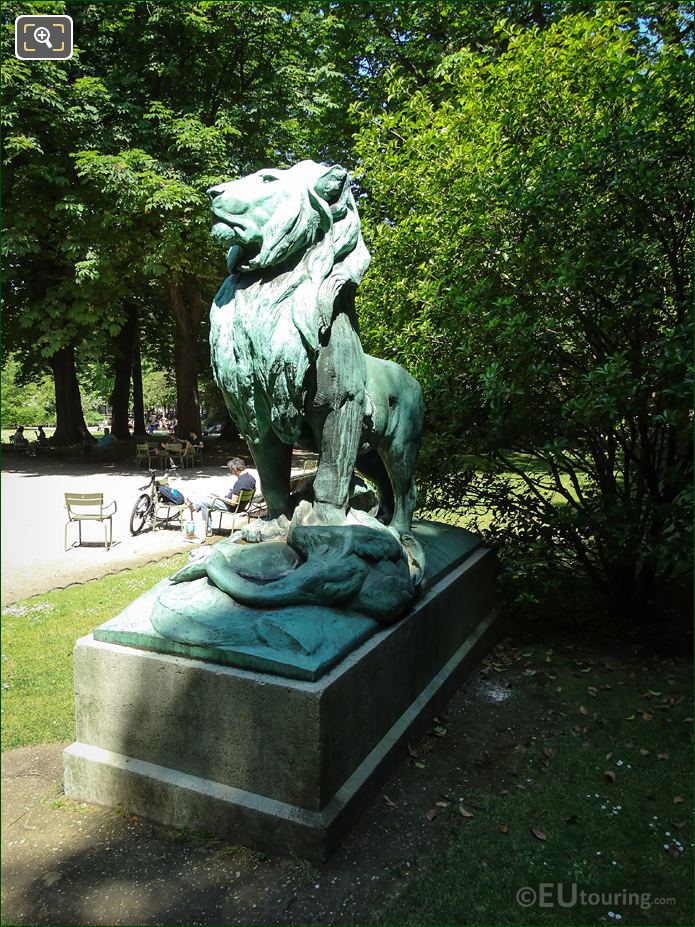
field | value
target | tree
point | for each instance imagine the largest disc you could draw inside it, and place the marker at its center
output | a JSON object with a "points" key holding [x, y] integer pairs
{"points": [[51, 237], [107, 159], [530, 224], [223, 91]]}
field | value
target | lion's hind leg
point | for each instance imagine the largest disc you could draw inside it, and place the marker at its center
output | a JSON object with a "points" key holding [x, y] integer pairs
{"points": [[400, 448]]}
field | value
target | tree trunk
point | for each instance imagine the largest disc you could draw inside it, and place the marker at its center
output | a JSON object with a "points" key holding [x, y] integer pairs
{"points": [[70, 423], [123, 364], [187, 308], [138, 402]]}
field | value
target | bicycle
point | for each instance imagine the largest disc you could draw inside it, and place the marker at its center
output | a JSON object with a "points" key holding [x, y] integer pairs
{"points": [[145, 508]]}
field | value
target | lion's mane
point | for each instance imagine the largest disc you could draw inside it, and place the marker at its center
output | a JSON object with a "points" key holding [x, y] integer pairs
{"points": [[267, 321]]}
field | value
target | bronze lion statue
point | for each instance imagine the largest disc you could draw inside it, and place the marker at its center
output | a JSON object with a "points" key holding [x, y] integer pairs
{"points": [[286, 351]]}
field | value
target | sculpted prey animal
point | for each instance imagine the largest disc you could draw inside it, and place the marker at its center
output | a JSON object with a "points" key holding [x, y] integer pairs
{"points": [[285, 346]]}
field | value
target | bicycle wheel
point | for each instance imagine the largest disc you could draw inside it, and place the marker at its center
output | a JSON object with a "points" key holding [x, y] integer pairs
{"points": [[140, 513]]}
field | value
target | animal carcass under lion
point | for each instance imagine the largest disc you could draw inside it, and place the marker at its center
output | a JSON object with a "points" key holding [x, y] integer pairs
{"points": [[286, 350]]}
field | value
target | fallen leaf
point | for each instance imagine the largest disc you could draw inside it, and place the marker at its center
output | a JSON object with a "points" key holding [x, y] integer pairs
{"points": [[647, 716], [538, 833], [431, 814], [442, 804], [419, 765], [547, 751], [593, 691], [438, 732], [412, 751], [644, 752], [630, 718], [678, 800], [504, 791], [663, 756], [610, 775], [583, 710], [655, 694], [504, 828], [609, 756], [391, 804], [465, 813]]}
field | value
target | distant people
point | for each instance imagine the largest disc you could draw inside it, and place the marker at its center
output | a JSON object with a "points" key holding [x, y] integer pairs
{"points": [[107, 440], [192, 442], [192, 445], [18, 439], [21, 443], [243, 480], [41, 438]]}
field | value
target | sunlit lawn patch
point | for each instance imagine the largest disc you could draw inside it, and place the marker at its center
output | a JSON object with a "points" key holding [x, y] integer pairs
{"points": [[38, 636]]}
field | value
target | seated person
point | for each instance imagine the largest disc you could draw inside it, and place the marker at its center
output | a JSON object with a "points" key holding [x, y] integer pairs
{"points": [[107, 440], [243, 480], [41, 438], [191, 443], [18, 438]]}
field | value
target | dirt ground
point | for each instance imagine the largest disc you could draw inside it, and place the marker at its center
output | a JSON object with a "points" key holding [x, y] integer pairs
{"points": [[66, 863], [34, 559]]}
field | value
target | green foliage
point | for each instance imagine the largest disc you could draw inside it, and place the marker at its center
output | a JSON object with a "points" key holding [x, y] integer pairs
{"points": [[158, 389], [25, 403], [530, 230]]}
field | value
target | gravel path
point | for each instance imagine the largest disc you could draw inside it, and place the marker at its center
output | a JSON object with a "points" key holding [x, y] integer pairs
{"points": [[34, 560]]}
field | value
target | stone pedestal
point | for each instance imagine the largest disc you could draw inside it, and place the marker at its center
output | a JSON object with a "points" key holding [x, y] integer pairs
{"points": [[279, 764]]}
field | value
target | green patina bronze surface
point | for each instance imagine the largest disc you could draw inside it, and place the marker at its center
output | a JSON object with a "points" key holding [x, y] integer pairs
{"points": [[285, 346], [287, 356], [298, 641]]}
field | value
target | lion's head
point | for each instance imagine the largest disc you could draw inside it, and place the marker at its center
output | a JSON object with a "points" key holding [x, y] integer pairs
{"points": [[296, 252], [269, 216]]}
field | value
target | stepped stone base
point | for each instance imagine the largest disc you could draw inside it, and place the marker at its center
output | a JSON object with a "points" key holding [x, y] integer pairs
{"points": [[274, 763]]}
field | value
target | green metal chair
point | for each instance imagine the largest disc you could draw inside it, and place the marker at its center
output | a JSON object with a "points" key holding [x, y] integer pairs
{"points": [[89, 506], [241, 507], [145, 453]]}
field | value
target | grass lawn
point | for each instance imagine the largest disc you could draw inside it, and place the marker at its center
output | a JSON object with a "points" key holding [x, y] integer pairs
{"points": [[38, 636], [598, 801]]}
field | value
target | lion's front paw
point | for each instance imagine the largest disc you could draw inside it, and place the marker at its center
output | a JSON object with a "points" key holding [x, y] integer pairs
{"points": [[320, 513]]}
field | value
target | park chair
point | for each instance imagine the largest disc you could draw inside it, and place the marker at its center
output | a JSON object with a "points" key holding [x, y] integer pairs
{"points": [[174, 452], [89, 506], [145, 452], [193, 456], [242, 509]]}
